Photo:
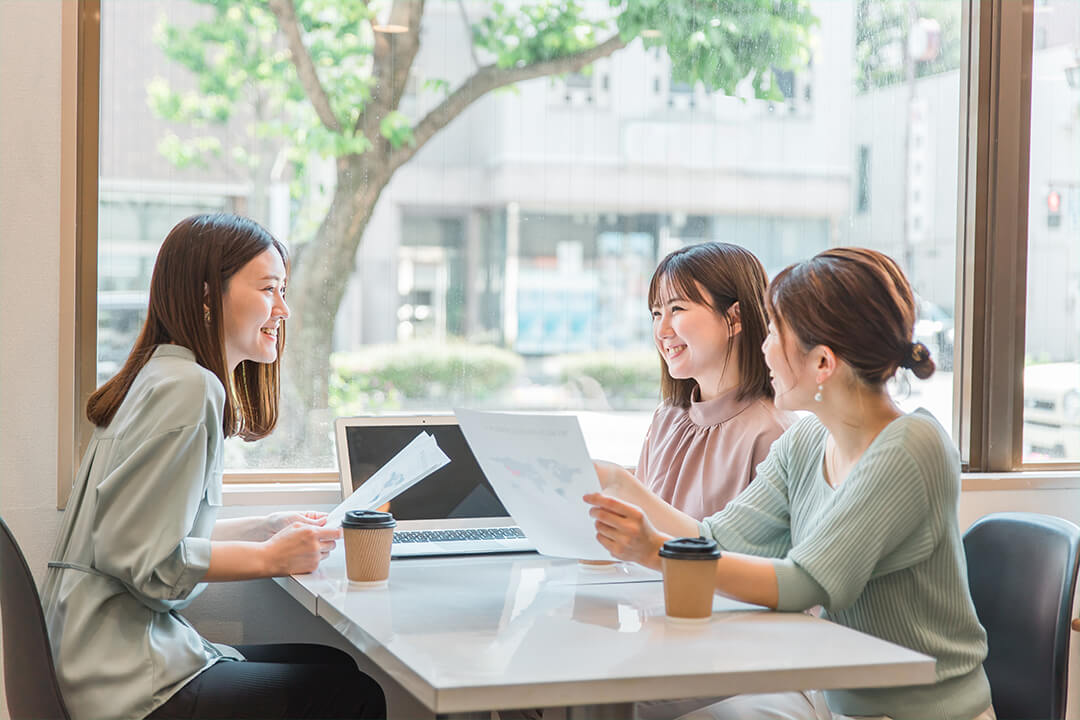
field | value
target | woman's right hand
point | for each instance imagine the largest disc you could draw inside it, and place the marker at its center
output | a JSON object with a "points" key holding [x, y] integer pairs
{"points": [[625, 531], [298, 548]]}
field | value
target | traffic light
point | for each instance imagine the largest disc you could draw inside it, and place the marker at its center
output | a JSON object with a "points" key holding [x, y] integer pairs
{"points": [[1053, 209]]}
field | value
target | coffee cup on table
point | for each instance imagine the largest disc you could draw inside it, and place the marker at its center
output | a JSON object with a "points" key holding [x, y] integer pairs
{"points": [[689, 568], [368, 537]]}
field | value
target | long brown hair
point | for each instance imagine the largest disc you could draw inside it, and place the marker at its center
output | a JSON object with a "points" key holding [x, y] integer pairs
{"points": [[729, 274], [193, 268], [858, 303]]}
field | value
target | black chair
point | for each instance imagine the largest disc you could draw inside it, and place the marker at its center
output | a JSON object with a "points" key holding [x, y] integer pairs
{"points": [[29, 674], [1022, 570]]}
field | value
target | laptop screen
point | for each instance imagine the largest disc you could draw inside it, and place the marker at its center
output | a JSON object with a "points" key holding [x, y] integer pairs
{"points": [[456, 490]]}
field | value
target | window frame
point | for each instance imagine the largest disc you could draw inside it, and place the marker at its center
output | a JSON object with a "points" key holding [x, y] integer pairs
{"points": [[991, 256]]}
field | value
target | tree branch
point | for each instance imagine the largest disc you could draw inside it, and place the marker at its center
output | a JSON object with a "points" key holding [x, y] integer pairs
{"points": [[392, 61], [489, 78], [285, 12]]}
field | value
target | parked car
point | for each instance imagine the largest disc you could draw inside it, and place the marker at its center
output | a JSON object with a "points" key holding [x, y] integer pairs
{"points": [[1052, 411]]}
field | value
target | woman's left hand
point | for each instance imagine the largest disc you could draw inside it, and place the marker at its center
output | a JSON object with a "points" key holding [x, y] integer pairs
{"points": [[277, 521], [625, 530]]}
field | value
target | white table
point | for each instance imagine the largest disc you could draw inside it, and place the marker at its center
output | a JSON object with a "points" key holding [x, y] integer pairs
{"points": [[488, 633]]}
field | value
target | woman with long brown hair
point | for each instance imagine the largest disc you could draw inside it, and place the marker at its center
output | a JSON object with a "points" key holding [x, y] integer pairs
{"points": [[716, 420], [140, 536], [854, 508]]}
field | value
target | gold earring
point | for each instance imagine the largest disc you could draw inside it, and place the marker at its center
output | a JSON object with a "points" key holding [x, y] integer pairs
{"points": [[206, 316]]}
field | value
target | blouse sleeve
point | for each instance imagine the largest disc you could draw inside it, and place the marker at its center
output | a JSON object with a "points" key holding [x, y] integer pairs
{"points": [[758, 521], [145, 511], [879, 523]]}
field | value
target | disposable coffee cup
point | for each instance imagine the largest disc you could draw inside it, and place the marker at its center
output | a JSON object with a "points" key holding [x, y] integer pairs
{"points": [[368, 537], [689, 567]]}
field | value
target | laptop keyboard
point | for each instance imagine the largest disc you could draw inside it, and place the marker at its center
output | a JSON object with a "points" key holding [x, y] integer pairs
{"points": [[497, 533]]}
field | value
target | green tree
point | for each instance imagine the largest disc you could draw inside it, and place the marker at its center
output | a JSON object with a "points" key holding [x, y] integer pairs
{"points": [[881, 33], [324, 77]]}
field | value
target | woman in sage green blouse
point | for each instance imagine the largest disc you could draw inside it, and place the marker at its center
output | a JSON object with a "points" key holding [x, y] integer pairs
{"points": [[853, 509], [140, 536]]}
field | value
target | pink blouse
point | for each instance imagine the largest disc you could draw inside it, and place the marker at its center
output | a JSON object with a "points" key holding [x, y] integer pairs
{"points": [[698, 459]]}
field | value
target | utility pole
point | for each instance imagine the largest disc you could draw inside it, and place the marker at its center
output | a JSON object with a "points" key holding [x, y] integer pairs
{"points": [[907, 242]]}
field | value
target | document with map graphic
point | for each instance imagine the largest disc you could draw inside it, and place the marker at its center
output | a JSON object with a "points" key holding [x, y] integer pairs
{"points": [[413, 463], [539, 468]]}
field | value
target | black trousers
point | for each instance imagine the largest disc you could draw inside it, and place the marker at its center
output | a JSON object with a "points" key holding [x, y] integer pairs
{"points": [[281, 682]]}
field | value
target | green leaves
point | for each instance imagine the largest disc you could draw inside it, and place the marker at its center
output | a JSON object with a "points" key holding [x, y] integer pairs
{"points": [[240, 66], [397, 128], [881, 30], [526, 34], [722, 42]]}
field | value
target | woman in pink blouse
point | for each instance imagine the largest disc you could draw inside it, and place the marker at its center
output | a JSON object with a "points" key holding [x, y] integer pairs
{"points": [[717, 418]]}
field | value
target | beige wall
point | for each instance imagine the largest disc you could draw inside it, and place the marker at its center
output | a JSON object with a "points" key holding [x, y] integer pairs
{"points": [[30, 98]]}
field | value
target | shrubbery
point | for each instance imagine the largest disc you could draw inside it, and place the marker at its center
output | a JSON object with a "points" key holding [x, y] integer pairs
{"points": [[627, 380], [384, 377]]}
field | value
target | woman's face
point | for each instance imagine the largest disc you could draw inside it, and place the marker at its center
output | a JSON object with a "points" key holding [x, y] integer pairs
{"points": [[254, 306], [691, 337], [789, 372]]}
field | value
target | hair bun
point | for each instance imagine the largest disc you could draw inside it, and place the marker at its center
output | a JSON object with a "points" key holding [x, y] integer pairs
{"points": [[916, 358]]}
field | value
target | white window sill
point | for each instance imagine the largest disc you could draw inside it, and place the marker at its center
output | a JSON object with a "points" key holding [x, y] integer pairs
{"points": [[297, 494], [262, 490], [1021, 480]]}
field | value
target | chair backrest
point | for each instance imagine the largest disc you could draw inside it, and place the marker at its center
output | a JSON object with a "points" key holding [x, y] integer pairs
{"points": [[29, 673], [1022, 571]]}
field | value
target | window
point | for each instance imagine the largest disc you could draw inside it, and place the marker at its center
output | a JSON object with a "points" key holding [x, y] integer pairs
{"points": [[1052, 358], [517, 240]]}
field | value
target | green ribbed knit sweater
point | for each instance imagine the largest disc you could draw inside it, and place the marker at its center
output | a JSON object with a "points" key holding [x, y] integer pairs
{"points": [[882, 553]]}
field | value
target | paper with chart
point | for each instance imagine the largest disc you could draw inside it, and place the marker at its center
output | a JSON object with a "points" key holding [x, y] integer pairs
{"points": [[413, 463], [539, 468]]}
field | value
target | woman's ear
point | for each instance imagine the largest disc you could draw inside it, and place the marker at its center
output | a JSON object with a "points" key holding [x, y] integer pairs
{"points": [[826, 363], [734, 316]]}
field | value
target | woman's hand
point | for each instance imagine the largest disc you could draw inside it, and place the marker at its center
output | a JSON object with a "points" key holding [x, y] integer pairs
{"points": [[278, 521], [617, 481], [299, 547], [625, 531]]}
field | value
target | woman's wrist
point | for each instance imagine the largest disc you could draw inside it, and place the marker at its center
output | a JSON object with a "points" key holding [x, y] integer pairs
{"points": [[658, 542], [265, 559]]}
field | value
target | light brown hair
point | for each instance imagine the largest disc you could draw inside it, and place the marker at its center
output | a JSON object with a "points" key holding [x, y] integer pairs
{"points": [[856, 302], [728, 274], [193, 268]]}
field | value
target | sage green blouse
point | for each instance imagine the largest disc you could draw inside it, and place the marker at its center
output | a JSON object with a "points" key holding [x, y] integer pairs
{"points": [[135, 543]]}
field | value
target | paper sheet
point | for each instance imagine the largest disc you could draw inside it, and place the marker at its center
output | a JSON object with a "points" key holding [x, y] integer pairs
{"points": [[539, 468], [413, 463]]}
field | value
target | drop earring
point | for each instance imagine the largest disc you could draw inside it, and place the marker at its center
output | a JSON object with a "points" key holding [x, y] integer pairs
{"points": [[206, 316], [817, 395]]}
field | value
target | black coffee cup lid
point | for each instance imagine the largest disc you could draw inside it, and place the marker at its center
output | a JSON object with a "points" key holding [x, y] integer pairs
{"points": [[368, 520], [698, 548]]}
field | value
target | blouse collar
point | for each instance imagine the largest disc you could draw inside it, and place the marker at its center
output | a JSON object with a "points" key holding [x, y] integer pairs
{"points": [[708, 413], [169, 350]]}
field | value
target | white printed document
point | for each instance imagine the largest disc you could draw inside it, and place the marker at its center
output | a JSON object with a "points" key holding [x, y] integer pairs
{"points": [[413, 463], [539, 468]]}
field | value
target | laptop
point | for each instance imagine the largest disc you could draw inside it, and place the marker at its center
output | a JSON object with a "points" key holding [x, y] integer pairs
{"points": [[453, 511]]}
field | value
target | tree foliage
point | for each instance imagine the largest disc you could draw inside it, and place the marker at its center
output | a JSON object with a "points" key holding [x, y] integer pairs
{"points": [[243, 70], [881, 30]]}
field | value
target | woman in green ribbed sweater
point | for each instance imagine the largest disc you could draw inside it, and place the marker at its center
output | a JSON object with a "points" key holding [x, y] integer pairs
{"points": [[854, 508]]}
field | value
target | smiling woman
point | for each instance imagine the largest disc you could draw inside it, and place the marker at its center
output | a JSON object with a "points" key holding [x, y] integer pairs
{"points": [[717, 419], [141, 536]]}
